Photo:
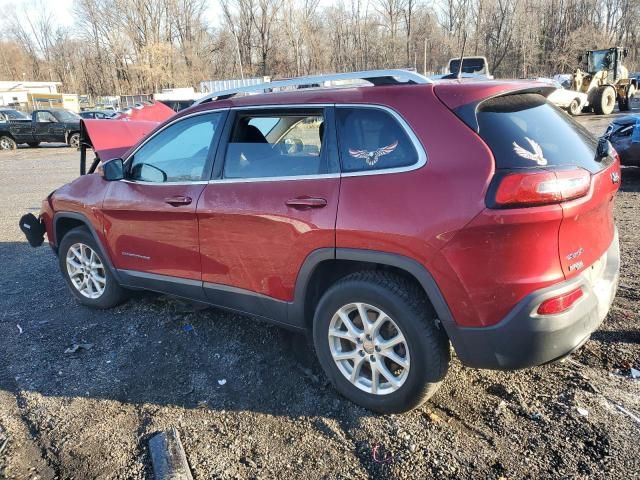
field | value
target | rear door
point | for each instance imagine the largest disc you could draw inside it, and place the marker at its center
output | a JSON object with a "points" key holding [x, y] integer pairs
{"points": [[526, 133], [272, 202], [150, 217]]}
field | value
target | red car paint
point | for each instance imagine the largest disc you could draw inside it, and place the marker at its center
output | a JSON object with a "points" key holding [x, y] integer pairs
{"points": [[258, 243], [245, 235]]}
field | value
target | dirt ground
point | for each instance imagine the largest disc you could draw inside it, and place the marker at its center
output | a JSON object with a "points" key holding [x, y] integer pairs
{"points": [[250, 401]]}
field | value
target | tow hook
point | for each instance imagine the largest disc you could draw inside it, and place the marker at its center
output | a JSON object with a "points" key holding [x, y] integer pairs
{"points": [[33, 229]]}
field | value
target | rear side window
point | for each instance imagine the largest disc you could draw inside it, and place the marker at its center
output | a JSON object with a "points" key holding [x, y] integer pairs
{"points": [[276, 144], [524, 131], [372, 139]]}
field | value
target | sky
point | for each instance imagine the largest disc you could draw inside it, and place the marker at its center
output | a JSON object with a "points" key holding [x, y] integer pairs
{"points": [[63, 9]]}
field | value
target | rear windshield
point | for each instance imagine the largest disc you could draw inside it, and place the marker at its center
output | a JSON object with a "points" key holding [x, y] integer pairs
{"points": [[524, 131], [469, 65]]}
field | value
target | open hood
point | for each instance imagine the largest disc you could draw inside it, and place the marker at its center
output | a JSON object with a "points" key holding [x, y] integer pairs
{"points": [[113, 138]]}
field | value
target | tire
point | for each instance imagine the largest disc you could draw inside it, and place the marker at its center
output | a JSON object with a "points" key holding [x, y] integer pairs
{"points": [[624, 103], [574, 107], [424, 346], [604, 100], [7, 143], [33, 144], [74, 140], [112, 293]]}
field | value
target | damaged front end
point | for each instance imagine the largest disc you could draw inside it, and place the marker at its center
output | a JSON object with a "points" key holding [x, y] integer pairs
{"points": [[107, 139]]}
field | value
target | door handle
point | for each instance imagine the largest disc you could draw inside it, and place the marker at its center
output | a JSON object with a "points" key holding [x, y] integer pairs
{"points": [[178, 200], [306, 202]]}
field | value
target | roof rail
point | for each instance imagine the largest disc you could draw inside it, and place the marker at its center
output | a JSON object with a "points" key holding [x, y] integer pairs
{"points": [[375, 77]]}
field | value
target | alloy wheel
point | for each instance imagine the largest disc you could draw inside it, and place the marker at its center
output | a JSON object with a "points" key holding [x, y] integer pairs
{"points": [[369, 348], [86, 270], [5, 144]]}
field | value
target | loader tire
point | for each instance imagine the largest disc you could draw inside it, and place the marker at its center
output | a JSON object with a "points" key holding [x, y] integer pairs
{"points": [[604, 100]]}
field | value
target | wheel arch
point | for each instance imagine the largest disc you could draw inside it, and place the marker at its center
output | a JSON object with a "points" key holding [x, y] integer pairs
{"points": [[64, 222], [7, 133], [322, 268]]}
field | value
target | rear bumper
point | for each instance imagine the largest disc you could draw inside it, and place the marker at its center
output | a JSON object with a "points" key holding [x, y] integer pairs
{"points": [[524, 339]]}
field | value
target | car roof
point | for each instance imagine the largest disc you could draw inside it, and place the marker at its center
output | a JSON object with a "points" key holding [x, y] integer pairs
{"points": [[465, 90]]}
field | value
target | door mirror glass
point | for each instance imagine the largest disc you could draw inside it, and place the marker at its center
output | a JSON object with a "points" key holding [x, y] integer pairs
{"points": [[113, 170]]}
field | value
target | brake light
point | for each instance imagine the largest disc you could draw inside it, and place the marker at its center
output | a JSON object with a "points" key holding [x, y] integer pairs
{"points": [[541, 187], [560, 303]]}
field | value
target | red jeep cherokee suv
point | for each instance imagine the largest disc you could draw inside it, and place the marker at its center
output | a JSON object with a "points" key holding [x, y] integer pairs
{"points": [[389, 220]]}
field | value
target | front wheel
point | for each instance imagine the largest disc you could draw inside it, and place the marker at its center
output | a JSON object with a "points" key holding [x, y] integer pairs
{"points": [[604, 100], [7, 143], [377, 341], [574, 107], [86, 272]]}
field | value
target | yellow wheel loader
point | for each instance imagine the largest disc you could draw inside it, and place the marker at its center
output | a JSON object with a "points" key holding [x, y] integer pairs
{"points": [[605, 80]]}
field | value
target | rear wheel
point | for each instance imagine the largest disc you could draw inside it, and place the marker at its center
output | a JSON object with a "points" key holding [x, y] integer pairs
{"points": [[376, 339], [86, 272], [624, 103], [604, 100], [7, 143], [74, 140], [574, 107]]}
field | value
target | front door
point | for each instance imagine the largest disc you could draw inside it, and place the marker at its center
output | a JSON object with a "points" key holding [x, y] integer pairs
{"points": [[150, 216], [44, 126], [273, 203]]}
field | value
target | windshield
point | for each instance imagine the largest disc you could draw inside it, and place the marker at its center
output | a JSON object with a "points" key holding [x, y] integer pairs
{"points": [[65, 116], [13, 115], [598, 61]]}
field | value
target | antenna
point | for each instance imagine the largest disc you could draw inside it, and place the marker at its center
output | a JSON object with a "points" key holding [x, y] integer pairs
{"points": [[464, 43]]}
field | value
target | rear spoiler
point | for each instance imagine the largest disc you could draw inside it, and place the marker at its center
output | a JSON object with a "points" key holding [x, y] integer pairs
{"points": [[464, 97], [113, 138]]}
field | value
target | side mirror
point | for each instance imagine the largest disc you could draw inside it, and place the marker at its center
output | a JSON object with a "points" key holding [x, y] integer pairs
{"points": [[604, 149], [579, 58], [625, 52], [113, 170]]}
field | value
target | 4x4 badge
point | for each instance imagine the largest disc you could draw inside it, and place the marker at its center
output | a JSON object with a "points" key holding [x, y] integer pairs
{"points": [[536, 155], [615, 177], [373, 156]]}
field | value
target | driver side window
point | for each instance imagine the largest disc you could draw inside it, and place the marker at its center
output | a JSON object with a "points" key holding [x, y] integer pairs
{"points": [[178, 153], [45, 117]]}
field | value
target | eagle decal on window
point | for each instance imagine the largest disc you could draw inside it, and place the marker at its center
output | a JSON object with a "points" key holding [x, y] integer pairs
{"points": [[373, 156], [537, 155]]}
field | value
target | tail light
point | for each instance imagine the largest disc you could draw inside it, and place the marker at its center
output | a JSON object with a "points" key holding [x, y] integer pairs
{"points": [[560, 303], [539, 187]]}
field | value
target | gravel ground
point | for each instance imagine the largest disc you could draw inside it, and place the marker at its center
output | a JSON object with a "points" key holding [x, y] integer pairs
{"points": [[250, 401]]}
